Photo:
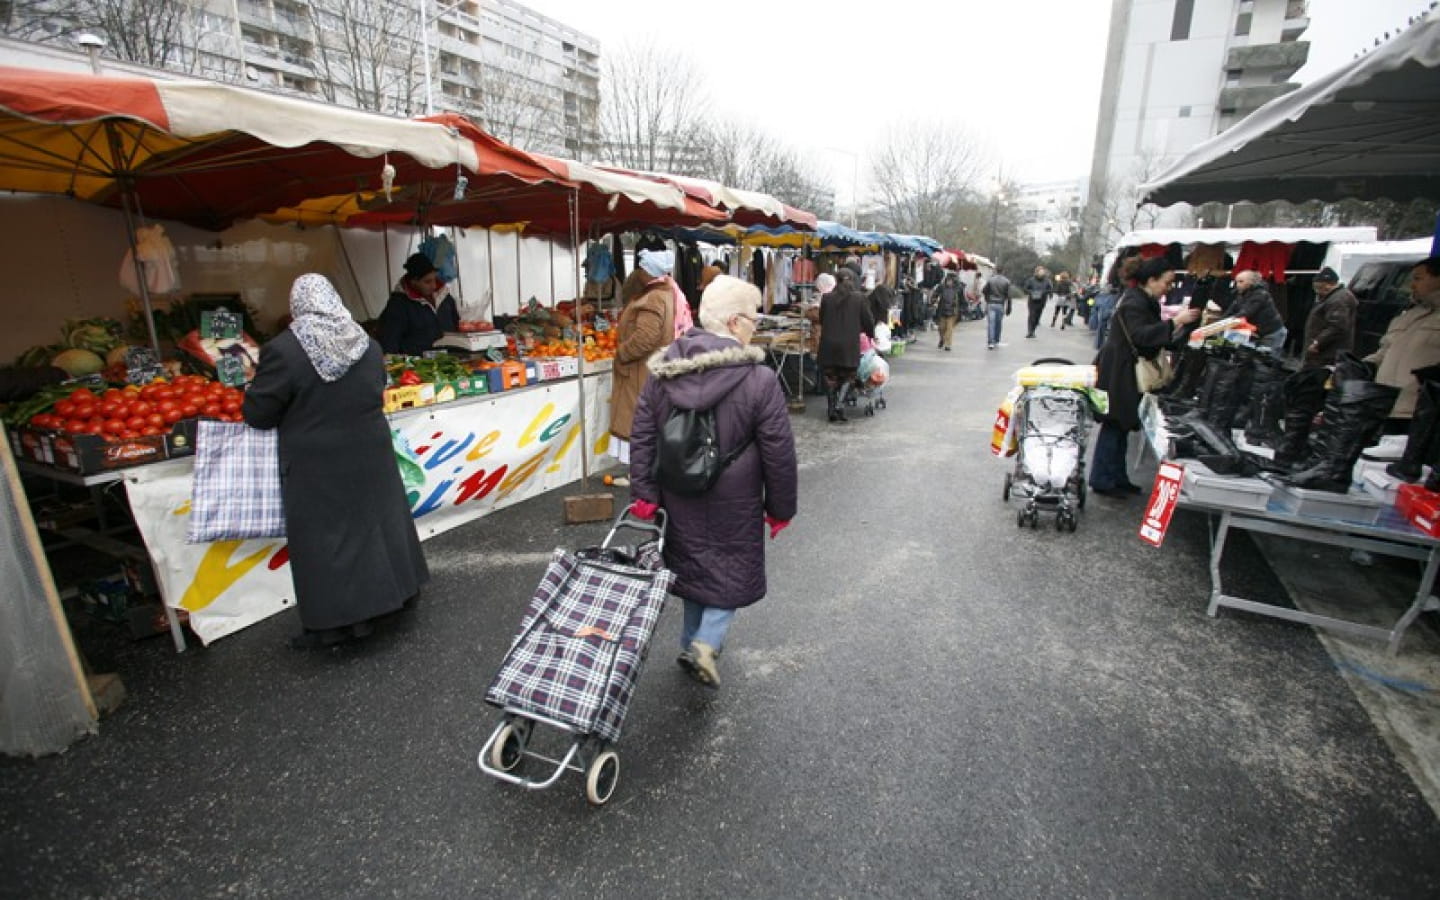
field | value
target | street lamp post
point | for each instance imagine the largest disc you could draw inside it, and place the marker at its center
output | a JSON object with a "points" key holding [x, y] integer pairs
{"points": [[425, 48], [995, 226]]}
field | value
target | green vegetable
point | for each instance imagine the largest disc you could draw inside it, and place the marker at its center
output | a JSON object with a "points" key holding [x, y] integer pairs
{"points": [[41, 401]]}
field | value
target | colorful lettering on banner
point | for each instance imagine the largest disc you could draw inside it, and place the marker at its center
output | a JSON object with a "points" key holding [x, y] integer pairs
{"points": [[476, 457], [1163, 497]]}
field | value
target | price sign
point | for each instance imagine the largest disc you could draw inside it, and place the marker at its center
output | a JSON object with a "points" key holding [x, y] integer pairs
{"points": [[142, 366], [220, 323], [230, 371], [601, 323], [1163, 497]]}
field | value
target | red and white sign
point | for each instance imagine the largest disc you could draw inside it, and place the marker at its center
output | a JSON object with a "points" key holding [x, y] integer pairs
{"points": [[1163, 497]]}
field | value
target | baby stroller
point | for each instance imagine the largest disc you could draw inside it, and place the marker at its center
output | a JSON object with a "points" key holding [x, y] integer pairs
{"points": [[1051, 422], [867, 390], [575, 660]]}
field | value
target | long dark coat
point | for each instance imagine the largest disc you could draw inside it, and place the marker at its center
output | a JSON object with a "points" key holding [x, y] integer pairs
{"points": [[1138, 314], [844, 316], [412, 326], [354, 553], [716, 541], [1330, 327]]}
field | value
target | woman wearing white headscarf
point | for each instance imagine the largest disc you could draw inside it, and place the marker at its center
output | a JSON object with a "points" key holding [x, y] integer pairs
{"points": [[354, 553]]}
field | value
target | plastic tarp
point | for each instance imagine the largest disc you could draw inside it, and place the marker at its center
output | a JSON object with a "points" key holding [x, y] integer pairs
{"points": [[1368, 130]]}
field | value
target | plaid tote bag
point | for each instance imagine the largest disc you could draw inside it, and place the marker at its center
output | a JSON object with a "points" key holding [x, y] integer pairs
{"points": [[236, 494]]}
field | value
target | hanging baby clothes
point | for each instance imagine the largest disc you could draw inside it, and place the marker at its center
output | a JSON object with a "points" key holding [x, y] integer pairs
{"points": [[441, 253], [1270, 259], [157, 258]]}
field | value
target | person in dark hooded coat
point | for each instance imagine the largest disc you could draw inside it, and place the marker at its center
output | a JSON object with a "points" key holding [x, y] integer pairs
{"points": [[844, 316], [354, 553], [1136, 330], [715, 542]]}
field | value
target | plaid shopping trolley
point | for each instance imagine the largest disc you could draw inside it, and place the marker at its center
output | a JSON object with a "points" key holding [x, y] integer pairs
{"points": [[577, 655]]}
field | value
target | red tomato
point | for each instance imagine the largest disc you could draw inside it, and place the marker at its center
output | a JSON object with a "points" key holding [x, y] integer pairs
{"points": [[155, 419], [65, 408], [152, 430], [114, 394], [111, 408], [127, 434], [83, 395], [165, 392], [166, 405], [85, 410], [148, 391], [172, 415], [136, 423], [141, 408], [78, 426], [189, 410], [114, 426], [212, 410]]}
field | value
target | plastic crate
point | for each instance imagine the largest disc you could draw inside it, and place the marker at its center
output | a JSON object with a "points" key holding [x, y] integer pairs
{"points": [[1355, 506], [1203, 486]]}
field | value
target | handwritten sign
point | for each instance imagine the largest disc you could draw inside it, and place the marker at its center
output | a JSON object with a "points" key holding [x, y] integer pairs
{"points": [[1161, 506], [230, 371], [142, 366], [220, 323]]}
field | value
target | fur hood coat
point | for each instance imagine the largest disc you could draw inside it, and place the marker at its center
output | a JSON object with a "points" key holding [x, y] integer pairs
{"points": [[715, 542]]}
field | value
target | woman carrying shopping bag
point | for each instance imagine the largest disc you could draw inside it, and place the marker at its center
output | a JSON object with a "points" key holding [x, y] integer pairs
{"points": [[354, 553]]}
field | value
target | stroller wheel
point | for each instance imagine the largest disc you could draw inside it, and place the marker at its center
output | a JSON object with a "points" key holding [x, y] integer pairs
{"points": [[869, 409], [601, 777], [880, 403], [1065, 521], [1005, 492], [1020, 518], [1080, 499]]}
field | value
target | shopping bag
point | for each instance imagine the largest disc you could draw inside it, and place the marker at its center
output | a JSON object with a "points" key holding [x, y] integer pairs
{"points": [[1003, 440], [236, 491]]}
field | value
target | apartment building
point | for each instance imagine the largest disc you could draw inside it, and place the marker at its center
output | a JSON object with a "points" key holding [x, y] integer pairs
{"points": [[1050, 212], [529, 79], [1178, 72]]}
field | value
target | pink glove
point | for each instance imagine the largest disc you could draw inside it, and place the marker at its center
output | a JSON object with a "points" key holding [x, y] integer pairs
{"points": [[776, 526], [643, 509]]}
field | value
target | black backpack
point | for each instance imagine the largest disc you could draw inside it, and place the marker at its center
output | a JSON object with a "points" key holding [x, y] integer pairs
{"points": [[688, 460]]}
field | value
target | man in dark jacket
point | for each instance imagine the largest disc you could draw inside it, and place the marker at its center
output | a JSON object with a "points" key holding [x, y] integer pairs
{"points": [[417, 315], [1254, 303], [715, 541], [1037, 287], [844, 316], [996, 294], [947, 308], [1330, 327]]}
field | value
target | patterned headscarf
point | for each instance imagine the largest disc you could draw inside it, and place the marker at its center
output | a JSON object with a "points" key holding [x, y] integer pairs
{"points": [[331, 338]]}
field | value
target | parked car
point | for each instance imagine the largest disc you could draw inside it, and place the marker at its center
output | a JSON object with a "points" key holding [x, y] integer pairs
{"points": [[1383, 292]]}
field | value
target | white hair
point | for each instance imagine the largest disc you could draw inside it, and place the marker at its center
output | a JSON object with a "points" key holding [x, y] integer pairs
{"points": [[1249, 275], [725, 298]]}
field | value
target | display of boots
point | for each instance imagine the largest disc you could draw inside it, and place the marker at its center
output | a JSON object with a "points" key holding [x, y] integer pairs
{"points": [[1424, 439], [1355, 410], [1267, 402], [1304, 394]]}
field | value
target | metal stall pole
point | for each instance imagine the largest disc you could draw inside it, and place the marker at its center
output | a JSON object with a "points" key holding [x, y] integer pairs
{"points": [[490, 274], [519, 261], [586, 507], [127, 197]]}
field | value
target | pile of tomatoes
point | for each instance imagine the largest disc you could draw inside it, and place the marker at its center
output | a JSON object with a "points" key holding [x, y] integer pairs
{"points": [[129, 412]]}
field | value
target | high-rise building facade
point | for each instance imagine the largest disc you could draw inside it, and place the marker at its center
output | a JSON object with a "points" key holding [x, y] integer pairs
{"points": [[1178, 72], [527, 78], [1050, 212]]}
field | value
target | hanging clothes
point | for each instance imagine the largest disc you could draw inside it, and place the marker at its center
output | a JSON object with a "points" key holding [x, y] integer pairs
{"points": [[599, 265], [892, 268], [1206, 258], [802, 270], [757, 270], [1270, 259]]}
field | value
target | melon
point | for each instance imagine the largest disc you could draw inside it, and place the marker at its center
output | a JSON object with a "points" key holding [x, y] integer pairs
{"points": [[78, 362]]}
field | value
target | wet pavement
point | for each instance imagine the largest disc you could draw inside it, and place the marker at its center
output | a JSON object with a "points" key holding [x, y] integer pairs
{"points": [[931, 703]]}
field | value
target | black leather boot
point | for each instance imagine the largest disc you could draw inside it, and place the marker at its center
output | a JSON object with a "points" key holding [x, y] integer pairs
{"points": [[1262, 425], [1304, 394], [1421, 445], [1354, 414]]}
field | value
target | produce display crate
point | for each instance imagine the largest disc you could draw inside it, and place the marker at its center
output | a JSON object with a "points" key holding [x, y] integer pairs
{"points": [[32, 444], [407, 396], [506, 376], [553, 368], [91, 453], [1355, 506], [471, 386]]}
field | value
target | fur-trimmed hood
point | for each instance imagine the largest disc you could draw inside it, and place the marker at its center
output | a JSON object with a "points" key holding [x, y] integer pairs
{"points": [[700, 368]]}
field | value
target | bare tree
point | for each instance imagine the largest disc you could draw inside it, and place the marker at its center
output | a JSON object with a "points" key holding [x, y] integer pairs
{"points": [[150, 32], [367, 54], [921, 171], [652, 111], [517, 107], [38, 19]]}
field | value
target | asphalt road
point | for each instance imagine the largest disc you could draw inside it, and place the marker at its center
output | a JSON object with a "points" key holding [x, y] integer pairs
{"points": [[931, 703]]}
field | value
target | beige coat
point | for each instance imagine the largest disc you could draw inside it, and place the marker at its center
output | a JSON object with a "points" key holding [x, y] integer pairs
{"points": [[646, 325], [1411, 342]]}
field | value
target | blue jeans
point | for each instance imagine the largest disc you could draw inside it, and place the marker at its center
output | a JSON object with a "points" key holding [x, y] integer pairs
{"points": [[1276, 339], [1107, 466], [709, 624], [1100, 318], [994, 317]]}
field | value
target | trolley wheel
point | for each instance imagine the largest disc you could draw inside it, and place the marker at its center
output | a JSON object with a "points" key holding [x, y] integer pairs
{"points": [[601, 777], [1080, 498], [869, 409], [1034, 520], [1020, 519], [508, 749], [881, 403], [1005, 491], [1065, 521]]}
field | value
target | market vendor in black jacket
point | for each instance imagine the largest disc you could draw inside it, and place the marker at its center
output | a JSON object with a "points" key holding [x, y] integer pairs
{"points": [[417, 315], [1254, 303]]}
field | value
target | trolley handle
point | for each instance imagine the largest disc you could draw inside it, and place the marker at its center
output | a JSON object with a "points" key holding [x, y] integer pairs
{"points": [[628, 519]]}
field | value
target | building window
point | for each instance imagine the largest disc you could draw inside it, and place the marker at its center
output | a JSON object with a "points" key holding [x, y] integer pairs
{"points": [[1242, 24], [1184, 112], [1232, 77], [1180, 24]]}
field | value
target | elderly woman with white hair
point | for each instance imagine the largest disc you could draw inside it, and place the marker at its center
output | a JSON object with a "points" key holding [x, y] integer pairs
{"points": [[715, 543]]}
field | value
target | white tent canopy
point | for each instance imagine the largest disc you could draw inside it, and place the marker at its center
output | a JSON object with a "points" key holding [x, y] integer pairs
{"points": [[1234, 237], [1367, 130]]}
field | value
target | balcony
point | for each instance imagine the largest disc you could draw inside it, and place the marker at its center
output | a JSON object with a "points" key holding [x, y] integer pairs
{"points": [[1245, 100], [1288, 57]]}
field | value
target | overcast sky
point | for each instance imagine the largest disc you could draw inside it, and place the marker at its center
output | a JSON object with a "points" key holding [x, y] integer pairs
{"points": [[1024, 75]]}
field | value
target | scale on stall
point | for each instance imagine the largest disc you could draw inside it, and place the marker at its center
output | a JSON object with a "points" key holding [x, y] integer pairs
{"points": [[473, 341]]}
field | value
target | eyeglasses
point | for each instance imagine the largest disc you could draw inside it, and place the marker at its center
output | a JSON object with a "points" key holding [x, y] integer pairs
{"points": [[749, 318]]}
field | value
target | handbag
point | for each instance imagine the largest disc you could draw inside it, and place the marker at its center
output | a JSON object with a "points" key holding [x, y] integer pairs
{"points": [[1151, 375], [236, 493]]}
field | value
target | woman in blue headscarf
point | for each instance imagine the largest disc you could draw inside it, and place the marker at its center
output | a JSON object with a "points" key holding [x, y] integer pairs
{"points": [[354, 553]]}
